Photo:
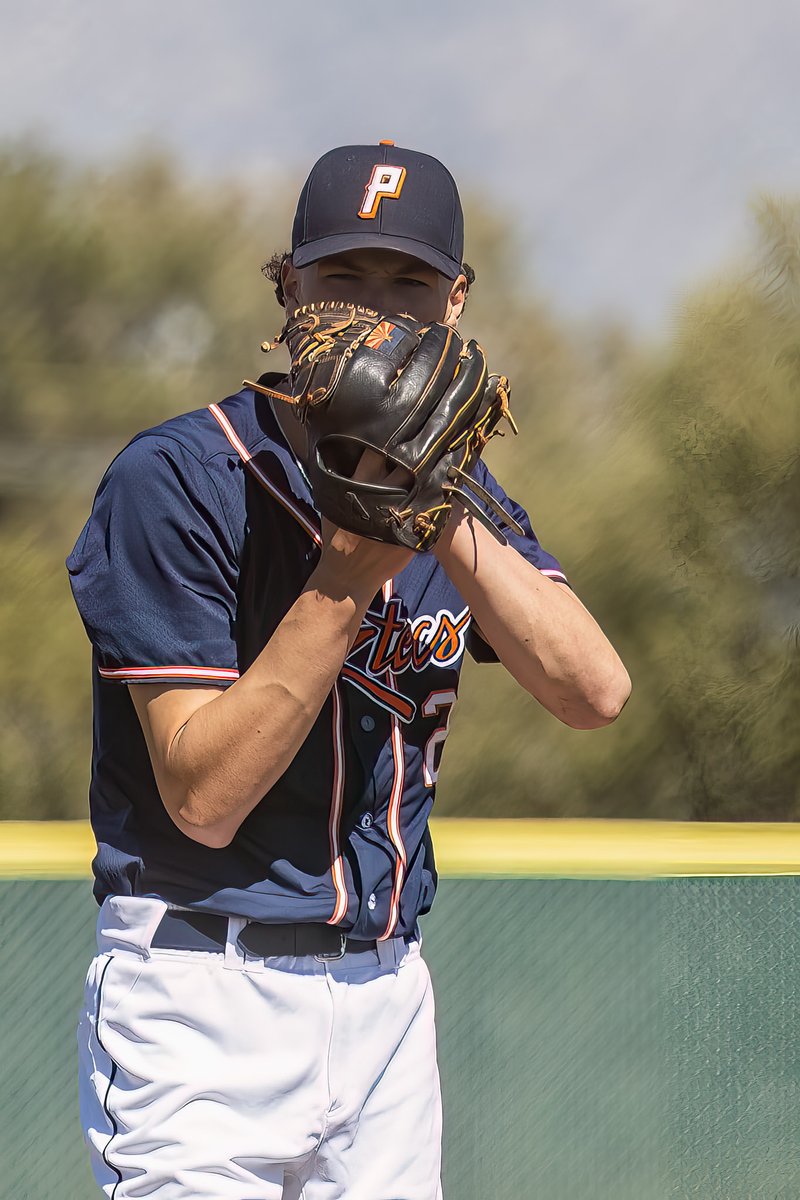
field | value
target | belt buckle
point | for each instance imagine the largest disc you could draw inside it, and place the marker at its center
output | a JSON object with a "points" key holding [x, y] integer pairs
{"points": [[332, 956]]}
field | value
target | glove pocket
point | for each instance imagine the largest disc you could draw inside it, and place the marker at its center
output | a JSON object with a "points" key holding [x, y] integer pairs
{"points": [[369, 506]]}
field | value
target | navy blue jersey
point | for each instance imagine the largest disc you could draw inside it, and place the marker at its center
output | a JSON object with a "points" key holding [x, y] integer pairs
{"points": [[202, 535]]}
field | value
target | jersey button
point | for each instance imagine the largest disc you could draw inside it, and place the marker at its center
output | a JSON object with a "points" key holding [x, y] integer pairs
{"points": [[368, 724], [366, 821]]}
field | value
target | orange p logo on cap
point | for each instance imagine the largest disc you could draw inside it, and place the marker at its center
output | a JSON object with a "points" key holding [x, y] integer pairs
{"points": [[385, 183]]}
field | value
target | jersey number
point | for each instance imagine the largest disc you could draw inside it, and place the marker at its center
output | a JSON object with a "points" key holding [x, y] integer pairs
{"points": [[436, 702]]}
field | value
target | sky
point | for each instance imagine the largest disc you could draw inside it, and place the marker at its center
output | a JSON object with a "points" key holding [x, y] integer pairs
{"points": [[624, 140]]}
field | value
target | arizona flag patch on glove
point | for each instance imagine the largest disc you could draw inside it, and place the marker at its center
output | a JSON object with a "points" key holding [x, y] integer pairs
{"points": [[383, 332]]}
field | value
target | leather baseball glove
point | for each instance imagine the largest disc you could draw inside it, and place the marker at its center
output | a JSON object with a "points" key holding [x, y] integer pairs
{"points": [[416, 394]]}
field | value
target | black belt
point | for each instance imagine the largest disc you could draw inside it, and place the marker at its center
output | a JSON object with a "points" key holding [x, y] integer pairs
{"points": [[181, 930]]}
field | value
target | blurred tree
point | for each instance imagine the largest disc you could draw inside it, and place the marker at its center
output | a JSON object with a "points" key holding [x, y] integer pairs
{"points": [[45, 707], [666, 480], [122, 294], [664, 477], [125, 298], [729, 405]]}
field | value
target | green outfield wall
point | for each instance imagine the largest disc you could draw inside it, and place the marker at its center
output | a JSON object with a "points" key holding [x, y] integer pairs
{"points": [[618, 1009]]}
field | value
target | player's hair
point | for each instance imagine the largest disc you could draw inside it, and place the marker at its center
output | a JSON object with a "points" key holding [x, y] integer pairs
{"points": [[273, 268]]}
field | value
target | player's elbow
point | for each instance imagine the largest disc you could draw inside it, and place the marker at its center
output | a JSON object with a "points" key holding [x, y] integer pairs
{"points": [[603, 706], [198, 822], [213, 836]]}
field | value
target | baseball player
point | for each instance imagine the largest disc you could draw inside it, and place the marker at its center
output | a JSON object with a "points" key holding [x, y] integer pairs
{"points": [[271, 698]]}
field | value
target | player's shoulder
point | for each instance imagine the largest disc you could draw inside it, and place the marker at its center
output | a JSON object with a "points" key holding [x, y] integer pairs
{"points": [[204, 441], [233, 427]]}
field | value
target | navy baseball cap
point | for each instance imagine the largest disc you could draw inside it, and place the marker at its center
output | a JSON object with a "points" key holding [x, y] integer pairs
{"points": [[384, 196]]}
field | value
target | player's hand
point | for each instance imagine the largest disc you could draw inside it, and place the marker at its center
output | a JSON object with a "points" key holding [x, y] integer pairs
{"points": [[350, 561], [354, 559]]}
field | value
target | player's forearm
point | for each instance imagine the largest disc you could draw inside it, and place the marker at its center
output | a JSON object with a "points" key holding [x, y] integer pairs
{"points": [[539, 630], [232, 750]]}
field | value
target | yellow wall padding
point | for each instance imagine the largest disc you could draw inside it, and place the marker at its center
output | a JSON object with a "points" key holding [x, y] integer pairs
{"points": [[598, 849]]}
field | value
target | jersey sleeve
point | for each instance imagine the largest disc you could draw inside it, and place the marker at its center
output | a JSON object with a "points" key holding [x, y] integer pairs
{"points": [[155, 569], [527, 545]]}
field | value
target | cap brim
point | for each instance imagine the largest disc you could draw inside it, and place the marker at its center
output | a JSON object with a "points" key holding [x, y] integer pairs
{"points": [[339, 243]]}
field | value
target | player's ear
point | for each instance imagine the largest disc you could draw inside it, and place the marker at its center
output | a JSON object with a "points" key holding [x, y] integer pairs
{"points": [[456, 300], [290, 285]]}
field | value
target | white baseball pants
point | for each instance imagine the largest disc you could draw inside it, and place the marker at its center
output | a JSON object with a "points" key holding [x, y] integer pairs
{"points": [[219, 1075]]}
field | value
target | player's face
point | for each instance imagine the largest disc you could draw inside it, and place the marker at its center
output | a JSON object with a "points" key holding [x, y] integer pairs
{"points": [[385, 280]]}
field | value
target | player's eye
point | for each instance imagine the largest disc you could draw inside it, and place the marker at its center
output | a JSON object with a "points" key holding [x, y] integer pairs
{"points": [[407, 281], [342, 275]]}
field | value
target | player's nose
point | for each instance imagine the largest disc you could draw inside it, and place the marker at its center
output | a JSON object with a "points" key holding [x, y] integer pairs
{"points": [[375, 294]]}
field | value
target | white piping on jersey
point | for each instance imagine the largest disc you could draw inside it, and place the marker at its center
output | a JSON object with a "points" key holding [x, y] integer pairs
{"points": [[335, 816], [211, 673], [265, 482], [395, 800]]}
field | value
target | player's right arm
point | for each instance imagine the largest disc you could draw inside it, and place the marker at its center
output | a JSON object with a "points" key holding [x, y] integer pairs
{"points": [[217, 752], [155, 577]]}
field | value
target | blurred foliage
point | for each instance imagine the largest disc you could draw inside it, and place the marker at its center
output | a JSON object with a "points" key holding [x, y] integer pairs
{"points": [[664, 477]]}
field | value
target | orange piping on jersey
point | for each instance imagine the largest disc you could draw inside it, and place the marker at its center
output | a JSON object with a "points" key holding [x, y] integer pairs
{"points": [[210, 673], [337, 870], [266, 483], [393, 816], [399, 705], [393, 827]]}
